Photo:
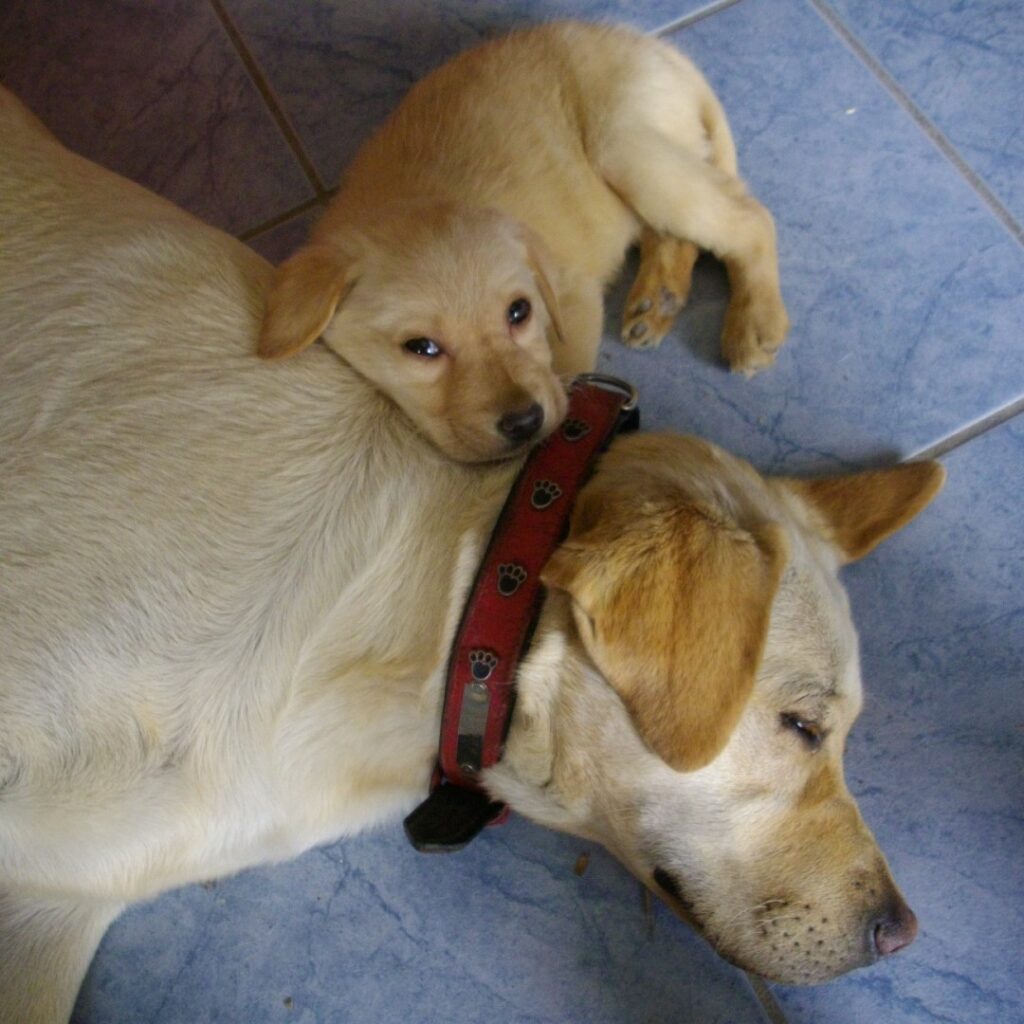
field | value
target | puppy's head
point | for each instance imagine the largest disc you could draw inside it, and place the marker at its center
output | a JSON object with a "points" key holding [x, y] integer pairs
{"points": [[696, 724], [450, 311]]}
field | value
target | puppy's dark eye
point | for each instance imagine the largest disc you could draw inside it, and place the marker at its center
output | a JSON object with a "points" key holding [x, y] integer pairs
{"points": [[426, 347], [519, 312], [810, 732]]}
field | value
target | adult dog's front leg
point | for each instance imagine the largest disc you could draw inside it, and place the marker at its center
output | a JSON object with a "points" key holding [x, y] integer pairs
{"points": [[45, 949], [676, 193]]}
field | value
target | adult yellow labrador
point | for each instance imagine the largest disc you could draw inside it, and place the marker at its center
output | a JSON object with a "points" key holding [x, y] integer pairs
{"points": [[228, 589]]}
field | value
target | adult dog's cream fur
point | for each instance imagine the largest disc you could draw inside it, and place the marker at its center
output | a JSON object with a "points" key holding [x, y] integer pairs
{"points": [[523, 169], [227, 590]]}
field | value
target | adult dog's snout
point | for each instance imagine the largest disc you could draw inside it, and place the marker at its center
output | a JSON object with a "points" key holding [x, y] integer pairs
{"points": [[894, 928], [521, 425]]}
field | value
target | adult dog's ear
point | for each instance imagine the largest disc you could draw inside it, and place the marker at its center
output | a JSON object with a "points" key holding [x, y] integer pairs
{"points": [[304, 296], [672, 602], [857, 511], [542, 265]]}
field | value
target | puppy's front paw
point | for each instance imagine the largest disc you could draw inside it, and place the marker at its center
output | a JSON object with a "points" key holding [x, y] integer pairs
{"points": [[650, 312], [754, 330], [660, 290]]}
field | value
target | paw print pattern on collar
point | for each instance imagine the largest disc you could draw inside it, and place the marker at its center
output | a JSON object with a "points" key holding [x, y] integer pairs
{"points": [[511, 576], [545, 492]]}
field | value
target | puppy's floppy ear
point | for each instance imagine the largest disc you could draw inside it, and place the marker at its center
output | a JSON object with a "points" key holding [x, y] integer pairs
{"points": [[859, 510], [306, 291], [672, 602], [542, 265]]}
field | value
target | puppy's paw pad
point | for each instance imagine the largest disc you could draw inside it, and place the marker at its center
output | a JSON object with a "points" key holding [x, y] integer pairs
{"points": [[668, 303], [482, 663], [511, 576], [649, 318], [545, 493]]}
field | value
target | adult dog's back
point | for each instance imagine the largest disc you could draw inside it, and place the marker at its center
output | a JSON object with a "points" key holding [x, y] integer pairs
{"points": [[177, 521]]}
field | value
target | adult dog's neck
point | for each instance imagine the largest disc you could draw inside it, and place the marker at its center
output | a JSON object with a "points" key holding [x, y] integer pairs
{"points": [[368, 674]]}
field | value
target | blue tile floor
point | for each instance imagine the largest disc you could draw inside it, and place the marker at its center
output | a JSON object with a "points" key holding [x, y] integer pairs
{"points": [[888, 138]]}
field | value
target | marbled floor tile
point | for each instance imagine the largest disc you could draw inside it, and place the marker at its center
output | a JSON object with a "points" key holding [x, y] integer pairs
{"points": [[339, 67], [368, 931], [278, 243], [937, 758], [963, 65], [905, 293], [156, 92]]}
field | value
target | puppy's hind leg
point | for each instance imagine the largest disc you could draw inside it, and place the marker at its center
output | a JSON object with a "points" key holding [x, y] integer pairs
{"points": [[666, 149], [665, 274], [676, 192], [45, 950]]}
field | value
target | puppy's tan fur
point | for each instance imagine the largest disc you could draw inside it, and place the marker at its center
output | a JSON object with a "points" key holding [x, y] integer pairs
{"points": [[217, 652], [579, 139]]}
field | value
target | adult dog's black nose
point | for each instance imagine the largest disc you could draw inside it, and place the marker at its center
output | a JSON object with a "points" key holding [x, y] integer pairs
{"points": [[522, 424]]}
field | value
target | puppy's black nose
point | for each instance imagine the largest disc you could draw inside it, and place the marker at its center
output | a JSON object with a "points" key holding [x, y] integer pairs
{"points": [[522, 424]]}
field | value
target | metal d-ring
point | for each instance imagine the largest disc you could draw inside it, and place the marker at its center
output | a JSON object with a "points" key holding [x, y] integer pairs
{"points": [[609, 383]]}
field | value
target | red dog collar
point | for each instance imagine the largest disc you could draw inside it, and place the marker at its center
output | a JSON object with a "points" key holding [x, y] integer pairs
{"points": [[499, 617]]}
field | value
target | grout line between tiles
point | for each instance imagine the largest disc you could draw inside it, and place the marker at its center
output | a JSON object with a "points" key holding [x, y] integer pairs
{"points": [[971, 431], [938, 139], [767, 999], [764, 995], [282, 218], [269, 99], [694, 16]]}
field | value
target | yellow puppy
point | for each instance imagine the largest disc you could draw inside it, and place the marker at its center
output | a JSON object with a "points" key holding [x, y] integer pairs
{"points": [[462, 265]]}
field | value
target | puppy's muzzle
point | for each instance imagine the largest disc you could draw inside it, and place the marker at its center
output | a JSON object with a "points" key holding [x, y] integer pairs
{"points": [[521, 425]]}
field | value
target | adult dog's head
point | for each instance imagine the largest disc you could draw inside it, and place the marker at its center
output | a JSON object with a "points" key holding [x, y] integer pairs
{"points": [[449, 310], [692, 686]]}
